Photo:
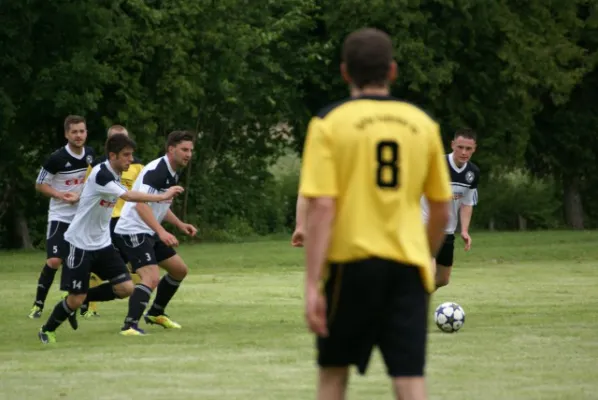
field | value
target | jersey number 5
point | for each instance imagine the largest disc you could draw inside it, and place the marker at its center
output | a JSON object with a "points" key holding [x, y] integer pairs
{"points": [[387, 155]]}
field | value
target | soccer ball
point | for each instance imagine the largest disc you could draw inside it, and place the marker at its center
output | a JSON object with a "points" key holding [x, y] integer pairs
{"points": [[449, 317]]}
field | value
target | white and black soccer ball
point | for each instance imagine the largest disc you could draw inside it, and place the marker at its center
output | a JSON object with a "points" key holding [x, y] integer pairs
{"points": [[449, 317]]}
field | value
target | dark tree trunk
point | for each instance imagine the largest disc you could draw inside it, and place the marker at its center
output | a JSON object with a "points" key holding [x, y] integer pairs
{"points": [[572, 203], [22, 230]]}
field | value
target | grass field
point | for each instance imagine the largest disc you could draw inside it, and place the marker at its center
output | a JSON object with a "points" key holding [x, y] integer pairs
{"points": [[531, 331]]}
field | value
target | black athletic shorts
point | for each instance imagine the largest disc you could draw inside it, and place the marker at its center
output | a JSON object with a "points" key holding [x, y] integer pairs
{"points": [[113, 235], [370, 303], [55, 243], [143, 249], [446, 254], [106, 263]]}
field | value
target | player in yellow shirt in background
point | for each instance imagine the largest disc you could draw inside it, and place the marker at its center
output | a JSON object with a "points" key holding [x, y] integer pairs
{"points": [[127, 179], [366, 163]]}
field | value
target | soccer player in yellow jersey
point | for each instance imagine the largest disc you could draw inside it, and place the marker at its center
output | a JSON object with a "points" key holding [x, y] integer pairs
{"points": [[127, 179], [367, 161]]}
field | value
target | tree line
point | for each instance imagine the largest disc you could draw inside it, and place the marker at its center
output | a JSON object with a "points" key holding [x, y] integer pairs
{"points": [[247, 78]]}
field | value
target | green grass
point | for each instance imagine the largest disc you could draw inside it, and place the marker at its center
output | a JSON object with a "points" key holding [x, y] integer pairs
{"points": [[530, 333]]}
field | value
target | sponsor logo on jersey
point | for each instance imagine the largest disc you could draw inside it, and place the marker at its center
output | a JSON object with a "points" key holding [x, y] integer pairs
{"points": [[107, 204]]}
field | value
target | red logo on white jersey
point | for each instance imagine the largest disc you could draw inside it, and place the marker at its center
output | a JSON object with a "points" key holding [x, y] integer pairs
{"points": [[76, 181], [107, 204]]}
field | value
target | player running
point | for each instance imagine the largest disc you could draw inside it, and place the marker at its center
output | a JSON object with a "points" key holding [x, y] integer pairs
{"points": [[465, 176], [61, 178], [140, 236]]}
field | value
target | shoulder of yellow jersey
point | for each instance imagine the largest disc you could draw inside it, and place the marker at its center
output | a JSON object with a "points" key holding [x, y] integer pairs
{"points": [[416, 113]]}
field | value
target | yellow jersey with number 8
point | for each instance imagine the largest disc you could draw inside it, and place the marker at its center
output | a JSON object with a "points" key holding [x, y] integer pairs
{"points": [[376, 156]]}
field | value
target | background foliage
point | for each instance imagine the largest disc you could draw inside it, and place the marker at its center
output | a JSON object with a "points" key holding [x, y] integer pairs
{"points": [[523, 74]]}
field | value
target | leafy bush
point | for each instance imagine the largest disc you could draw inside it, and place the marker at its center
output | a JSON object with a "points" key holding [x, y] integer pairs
{"points": [[510, 195]]}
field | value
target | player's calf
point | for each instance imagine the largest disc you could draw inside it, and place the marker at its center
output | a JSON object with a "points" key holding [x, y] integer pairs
{"points": [[149, 279], [168, 286], [44, 282]]}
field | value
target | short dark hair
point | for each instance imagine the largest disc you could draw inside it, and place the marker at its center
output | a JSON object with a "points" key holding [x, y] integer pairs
{"points": [[176, 137], [466, 133], [367, 54], [72, 120], [117, 142]]}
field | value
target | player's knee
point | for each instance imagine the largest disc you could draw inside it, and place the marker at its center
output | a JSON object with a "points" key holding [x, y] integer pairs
{"points": [[123, 289], [74, 301], [54, 262], [178, 271]]}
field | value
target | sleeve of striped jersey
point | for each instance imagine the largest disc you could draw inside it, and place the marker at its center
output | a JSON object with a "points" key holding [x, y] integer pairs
{"points": [[107, 185], [112, 188], [152, 181], [48, 170], [318, 174], [438, 185], [471, 198]]}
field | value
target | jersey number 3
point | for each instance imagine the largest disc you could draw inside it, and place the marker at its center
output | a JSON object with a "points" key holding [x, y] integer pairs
{"points": [[387, 155]]}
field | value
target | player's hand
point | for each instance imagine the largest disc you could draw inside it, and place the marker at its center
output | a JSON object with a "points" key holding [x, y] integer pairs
{"points": [[188, 229], [315, 311], [70, 197], [298, 238], [168, 239], [173, 191], [467, 239]]}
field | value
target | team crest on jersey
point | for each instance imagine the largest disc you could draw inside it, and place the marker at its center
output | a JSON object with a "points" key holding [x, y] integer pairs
{"points": [[469, 176], [89, 159]]}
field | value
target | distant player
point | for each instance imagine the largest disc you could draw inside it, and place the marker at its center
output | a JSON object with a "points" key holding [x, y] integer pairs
{"points": [[127, 178], [140, 236], [89, 246], [61, 178], [366, 163], [465, 176]]}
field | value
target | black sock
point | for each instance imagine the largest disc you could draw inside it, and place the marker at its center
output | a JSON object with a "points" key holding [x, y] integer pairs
{"points": [[43, 285], [137, 303], [166, 289], [59, 315], [102, 292]]}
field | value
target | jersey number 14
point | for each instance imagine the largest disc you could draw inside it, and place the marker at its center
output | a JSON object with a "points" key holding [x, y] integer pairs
{"points": [[387, 156]]}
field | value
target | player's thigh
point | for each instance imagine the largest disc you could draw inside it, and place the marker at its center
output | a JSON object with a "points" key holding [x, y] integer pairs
{"points": [[55, 244], [446, 253], [167, 256], [137, 249], [109, 266], [403, 335], [355, 297], [76, 270], [169, 260]]}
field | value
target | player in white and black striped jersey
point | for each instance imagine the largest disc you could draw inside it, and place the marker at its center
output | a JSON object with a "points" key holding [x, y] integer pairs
{"points": [[61, 178], [465, 176], [139, 235]]}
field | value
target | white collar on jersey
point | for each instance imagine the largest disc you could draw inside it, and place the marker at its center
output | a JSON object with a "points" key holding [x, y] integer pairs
{"points": [[172, 172], [107, 162], [77, 156], [454, 166]]}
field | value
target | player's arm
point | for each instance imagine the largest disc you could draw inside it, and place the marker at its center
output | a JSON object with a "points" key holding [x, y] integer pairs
{"points": [[300, 212], [437, 189], [43, 183], [466, 211], [171, 218], [318, 186], [300, 215]]}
